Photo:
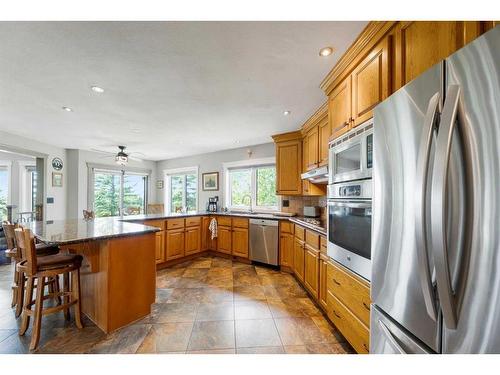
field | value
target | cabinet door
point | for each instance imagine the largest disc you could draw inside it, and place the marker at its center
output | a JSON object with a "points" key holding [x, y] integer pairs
{"points": [[205, 233], [193, 239], [160, 246], [322, 289], [240, 242], [422, 44], [289, 167], [175, 243], [311, 270], [298, 259], [224, 240], [286, 250], [339, 108], [370, 82], [312, 148], [324, 136]]}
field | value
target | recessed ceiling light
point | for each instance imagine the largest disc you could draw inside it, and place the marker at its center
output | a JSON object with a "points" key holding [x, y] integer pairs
{"points": [[97, 89], [326, 51], [286, 113], [67, 109]]}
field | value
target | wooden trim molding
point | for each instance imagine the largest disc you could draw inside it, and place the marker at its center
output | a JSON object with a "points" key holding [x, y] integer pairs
{"points": [[290, 136], [316, 118], [370, 35]]}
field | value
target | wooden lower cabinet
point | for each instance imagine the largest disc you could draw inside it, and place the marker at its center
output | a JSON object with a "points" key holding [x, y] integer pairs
{"points": [[174, 243], [240, 242], [224, 239], [322, 289], [348, 324], [298, 259], [160, 246], [311, 270], [286, 249], [193, 239]]}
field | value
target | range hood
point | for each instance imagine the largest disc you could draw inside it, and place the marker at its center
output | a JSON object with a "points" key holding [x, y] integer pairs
{"points": [[317, 176]]}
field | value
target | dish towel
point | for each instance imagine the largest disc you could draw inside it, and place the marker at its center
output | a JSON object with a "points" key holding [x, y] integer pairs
{"points": [[213, 228]]}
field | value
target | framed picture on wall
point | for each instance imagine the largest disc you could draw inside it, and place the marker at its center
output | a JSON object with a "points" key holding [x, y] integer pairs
{"points": [[57, 179], [210, 181]]}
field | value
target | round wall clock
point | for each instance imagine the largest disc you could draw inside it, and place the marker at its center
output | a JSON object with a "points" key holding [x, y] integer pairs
{"points": [[57, 164]]}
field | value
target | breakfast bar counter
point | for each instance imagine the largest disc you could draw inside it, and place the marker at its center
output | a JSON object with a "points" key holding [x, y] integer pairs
{"points": [[118, 274]]}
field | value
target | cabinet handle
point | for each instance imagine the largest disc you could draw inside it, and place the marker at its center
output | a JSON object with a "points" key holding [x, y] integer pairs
{"points": [[337, 315], [336, 282], [347, 123], [366, 306]]}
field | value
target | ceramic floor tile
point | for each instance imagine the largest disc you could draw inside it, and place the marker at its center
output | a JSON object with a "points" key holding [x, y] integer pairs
{"points": [[254, 333], [169, 337], [212, 335], [201, 263], [162, 295], [218, 262], [177, 313], [124, 341], [261, 350], [215, 294], [318, 349], [212, 351], [251, 310], [196, 273], [72, 340], [4, 333], [186, 295], [215, 311], [248, 293]]}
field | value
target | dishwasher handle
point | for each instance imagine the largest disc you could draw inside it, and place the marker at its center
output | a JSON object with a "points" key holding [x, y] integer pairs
{"points": [[264, 223]]}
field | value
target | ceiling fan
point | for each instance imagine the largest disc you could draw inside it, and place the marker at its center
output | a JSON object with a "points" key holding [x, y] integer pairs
{"points": [[121, 157]]}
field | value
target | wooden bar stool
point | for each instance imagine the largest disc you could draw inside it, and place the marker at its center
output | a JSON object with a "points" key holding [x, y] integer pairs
{"points": [[19, 280], [42, 269]]}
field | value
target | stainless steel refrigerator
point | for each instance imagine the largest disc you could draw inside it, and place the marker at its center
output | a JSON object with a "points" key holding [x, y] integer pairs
{"points": [[436, 208]]}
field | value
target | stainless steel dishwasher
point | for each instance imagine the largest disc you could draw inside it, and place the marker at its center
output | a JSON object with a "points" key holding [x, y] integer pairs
{"points": [[264, 241]]}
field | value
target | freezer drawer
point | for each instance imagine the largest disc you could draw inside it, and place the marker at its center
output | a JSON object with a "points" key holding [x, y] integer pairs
{"points": [[386, 337]]}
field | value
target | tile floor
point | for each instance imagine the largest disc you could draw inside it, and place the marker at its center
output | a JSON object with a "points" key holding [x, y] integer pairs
{"points": [[207, 305]]}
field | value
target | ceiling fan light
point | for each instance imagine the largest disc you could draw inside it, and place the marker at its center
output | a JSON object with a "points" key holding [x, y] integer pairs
{"points": [[121, 159]]}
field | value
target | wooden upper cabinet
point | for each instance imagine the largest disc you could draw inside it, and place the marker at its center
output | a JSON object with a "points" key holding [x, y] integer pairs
{"points": [[312, 150], [323, 135], [288, 163], [422, 44], [240, 242], [370, 82], [339, 108]]}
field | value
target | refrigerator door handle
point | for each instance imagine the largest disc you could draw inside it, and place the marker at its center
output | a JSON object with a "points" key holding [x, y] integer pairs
{"points": [[390, 338], [451, 108], [420, 206]]}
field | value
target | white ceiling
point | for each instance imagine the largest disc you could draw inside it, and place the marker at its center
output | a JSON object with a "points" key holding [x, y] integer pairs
{"points": [[171, 88]]}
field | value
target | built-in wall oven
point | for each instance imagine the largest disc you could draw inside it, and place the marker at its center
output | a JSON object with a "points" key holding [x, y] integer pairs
{"points": [[350, 200]]}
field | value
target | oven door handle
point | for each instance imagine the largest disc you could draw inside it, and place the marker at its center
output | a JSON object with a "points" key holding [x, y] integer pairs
{"points": [[350, 204]]}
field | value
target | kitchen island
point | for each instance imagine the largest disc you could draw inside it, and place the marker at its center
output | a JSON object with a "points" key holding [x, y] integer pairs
{"points": [[118, 274]]}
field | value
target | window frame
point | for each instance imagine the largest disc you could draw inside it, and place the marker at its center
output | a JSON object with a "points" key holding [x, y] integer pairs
{"points": [[168, 173], [7, 164], [253, 165], [121, 171]]}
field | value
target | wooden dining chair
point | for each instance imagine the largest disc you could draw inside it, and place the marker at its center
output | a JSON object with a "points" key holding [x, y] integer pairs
{"points": [[18, 283], [88, 214], [155, 208], [41, 270]]}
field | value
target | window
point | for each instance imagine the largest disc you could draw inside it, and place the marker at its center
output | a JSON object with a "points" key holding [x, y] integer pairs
{"points": [[182, 190], [118, 193], [251, 187], [27, 176], [4, 191]]}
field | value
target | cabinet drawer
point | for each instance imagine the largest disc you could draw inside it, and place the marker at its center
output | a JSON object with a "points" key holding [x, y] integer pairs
{"points": [[193, 221], [312, 239], [238, 222], [348, 324], [323, 244], [155, 223], [299, 232], [286, 227], [175, 223], [225, 221], [352, 292]]}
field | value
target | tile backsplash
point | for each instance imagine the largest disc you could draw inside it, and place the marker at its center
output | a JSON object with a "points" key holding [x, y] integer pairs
{"points": [[297, 203]]}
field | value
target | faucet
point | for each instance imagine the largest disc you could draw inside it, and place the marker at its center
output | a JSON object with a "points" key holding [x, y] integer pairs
{"points": [[249, 197]]}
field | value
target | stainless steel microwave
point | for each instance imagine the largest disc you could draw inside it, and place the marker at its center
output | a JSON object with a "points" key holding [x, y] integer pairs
{"points": [[351, 156]]}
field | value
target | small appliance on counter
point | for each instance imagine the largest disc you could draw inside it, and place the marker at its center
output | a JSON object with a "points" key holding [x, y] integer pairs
{"points": [[312, 211], [213, 204]]}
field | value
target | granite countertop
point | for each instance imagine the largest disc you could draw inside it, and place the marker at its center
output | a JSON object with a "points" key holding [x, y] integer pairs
{"points": [[320, 229], [63, 232]]}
